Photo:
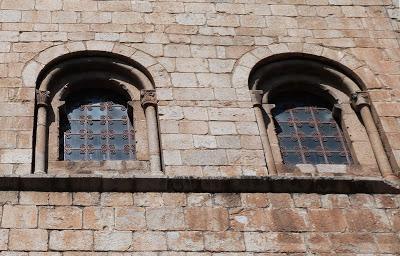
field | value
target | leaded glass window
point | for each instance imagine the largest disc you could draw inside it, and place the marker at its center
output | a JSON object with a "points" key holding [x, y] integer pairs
{"points": [[98, 128], [308, 133]]}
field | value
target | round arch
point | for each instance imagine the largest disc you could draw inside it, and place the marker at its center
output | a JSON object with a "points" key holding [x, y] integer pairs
{"points": [[41, 62], [56, 71], [351, 66], [264, 69]]}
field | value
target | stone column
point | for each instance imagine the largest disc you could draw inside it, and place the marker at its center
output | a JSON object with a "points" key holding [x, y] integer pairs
{"points": [[361, 102], [41, 131], [256, 97], [149, 104]]}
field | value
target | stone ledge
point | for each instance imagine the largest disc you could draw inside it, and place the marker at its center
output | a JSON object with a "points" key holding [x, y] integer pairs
{"points": [[273, 184]]}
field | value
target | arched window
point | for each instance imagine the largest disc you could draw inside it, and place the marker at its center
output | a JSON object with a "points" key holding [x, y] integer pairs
{"points": [[307, 131], [311, 110], [96, 107]]}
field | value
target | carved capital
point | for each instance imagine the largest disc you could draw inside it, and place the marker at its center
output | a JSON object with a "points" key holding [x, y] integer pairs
{"points": [[148, 97], [256, 97], [42, 98], [359, 99]]}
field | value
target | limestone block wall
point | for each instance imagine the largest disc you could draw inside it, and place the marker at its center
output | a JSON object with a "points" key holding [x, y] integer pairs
{"points": [[194, 51], [198, 224]]}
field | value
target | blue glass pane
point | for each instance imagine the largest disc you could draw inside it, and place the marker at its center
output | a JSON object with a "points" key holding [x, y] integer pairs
{"points": [[288, 143], [75, 114], [323, 115], [337, 158], [284, 117], [96, 113], [97, 155], [328, 129], [75, 155], [285, 128], [120, 155], [74, 141], [117, 112], [311, 143], [118, 126], [76, 126], [315, 158], [301, 114], [96, 127], [307, 129], [332, 143], [119, 141], [96, 141], [292, 158]]}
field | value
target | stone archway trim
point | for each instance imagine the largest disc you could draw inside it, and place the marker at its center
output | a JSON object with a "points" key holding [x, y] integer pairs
{"points": [[363, 76], [249, 60], [32, 69], [40, 61]]}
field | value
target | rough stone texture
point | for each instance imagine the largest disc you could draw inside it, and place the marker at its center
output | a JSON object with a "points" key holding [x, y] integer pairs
{"points": [[199, 55], [239, 223]]}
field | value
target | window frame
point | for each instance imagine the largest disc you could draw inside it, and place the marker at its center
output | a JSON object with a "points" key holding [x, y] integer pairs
{"points": [[264, 86], [53, 91]]}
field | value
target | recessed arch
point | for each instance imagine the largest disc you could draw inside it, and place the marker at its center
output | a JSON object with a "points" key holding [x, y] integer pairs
{"points": [[338, 75], [64, 72], [347, 63], [34, 69]]}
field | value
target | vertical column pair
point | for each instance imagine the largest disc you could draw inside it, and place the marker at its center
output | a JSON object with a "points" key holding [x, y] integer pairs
{"points": [[149, 104]]}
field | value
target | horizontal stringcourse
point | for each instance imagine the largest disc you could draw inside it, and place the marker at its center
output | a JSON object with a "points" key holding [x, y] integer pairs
{"points": [[276, 184]]}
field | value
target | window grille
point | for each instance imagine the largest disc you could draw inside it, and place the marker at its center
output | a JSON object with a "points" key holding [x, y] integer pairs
{"points": [[98, 128], [308, 133]]}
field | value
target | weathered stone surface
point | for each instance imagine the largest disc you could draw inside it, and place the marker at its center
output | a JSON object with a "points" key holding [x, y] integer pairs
{"points": [[86, 199], [19, 216], [185, 241], [129, 218], [149, 241], [166, 218], [98, 218], [28, 239], [71, 240], [116, 199], [112, 241], [224, 241], [60, 217], [204, 218], [36, 198]]}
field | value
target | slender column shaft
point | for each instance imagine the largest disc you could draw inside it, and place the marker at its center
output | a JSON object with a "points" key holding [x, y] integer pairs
{"points": [[256, 98], [152, 134], [376, 143], [265, 140], [40, 150], [41, 131], [149, 103]]}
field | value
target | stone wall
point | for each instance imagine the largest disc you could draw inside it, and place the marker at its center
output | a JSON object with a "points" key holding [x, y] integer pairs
{"points": [[194, 51], [195, 224]]}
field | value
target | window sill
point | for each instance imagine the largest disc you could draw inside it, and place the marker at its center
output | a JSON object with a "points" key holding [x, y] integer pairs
{"points": [[107, 168], [328, 170]]}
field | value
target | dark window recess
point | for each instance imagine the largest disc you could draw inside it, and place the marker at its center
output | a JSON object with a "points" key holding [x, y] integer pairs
{"points": [[98, 128], [308, 134]]}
